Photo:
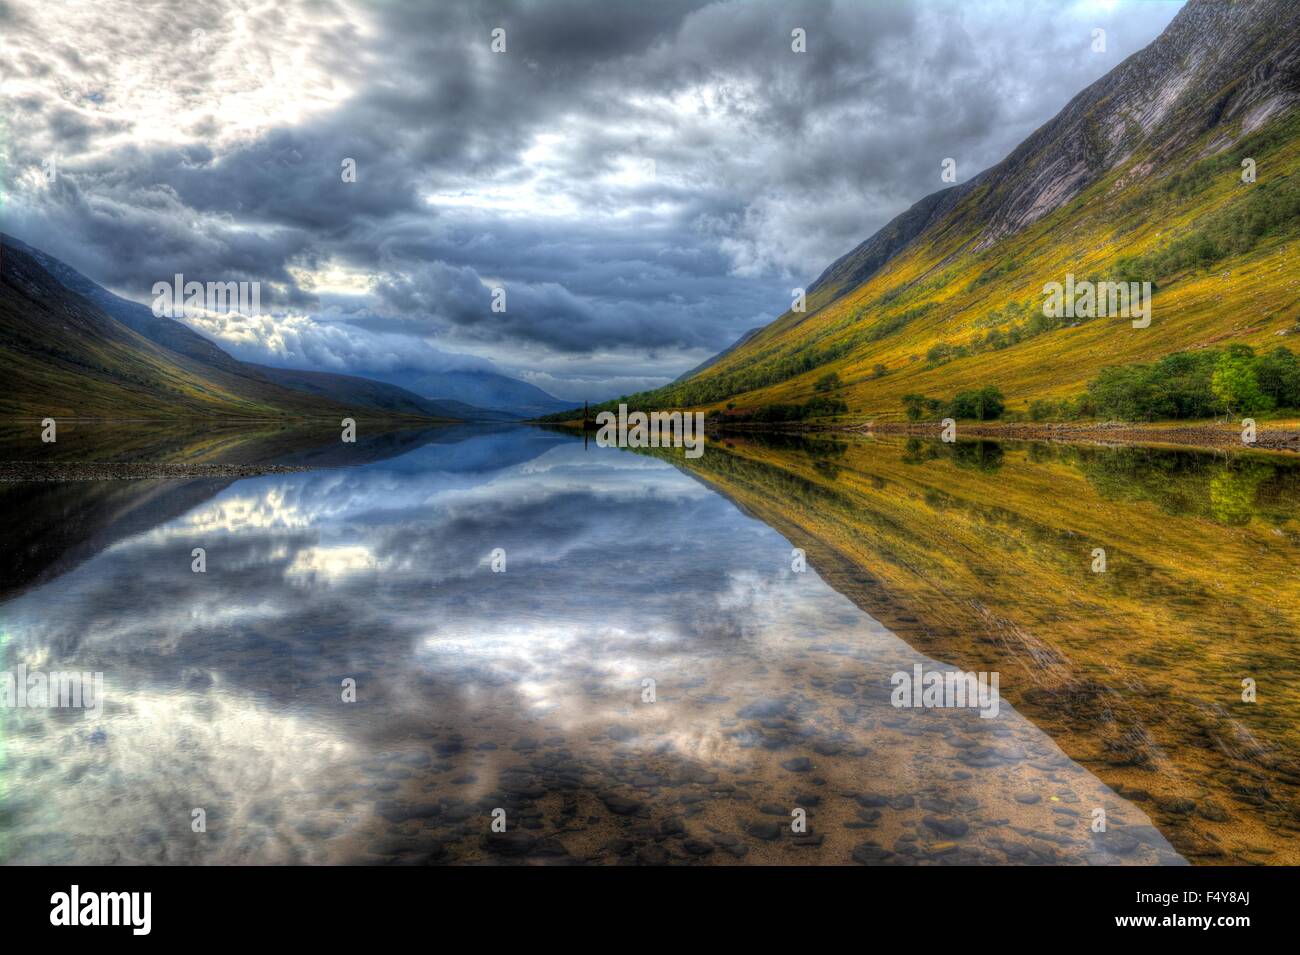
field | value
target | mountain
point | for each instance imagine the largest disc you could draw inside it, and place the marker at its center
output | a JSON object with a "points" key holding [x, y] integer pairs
{"points": [[482, 388], [1139, 177], [120, 381], [65, 357], [710, 362], [167, 332], [365, 392]]}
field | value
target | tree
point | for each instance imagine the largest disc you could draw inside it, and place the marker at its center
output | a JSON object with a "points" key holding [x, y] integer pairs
{"points": [[1278, 374], [1234, 382], [827, 382], [986, 404], [915, 405]]}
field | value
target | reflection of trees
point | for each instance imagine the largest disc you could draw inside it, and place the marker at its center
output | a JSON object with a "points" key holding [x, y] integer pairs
{"points": [[813, 445], [1041, 452], [827, 470], [917, 451], [1233, 490], [1227, 490], [823, 450], [976, 455]]}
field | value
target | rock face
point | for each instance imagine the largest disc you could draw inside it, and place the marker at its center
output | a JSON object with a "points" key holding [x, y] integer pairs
{"points": [[1219, 63]]}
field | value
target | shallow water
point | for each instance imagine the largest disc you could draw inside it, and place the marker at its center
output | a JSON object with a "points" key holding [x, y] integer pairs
{"points": [[525, 691]]}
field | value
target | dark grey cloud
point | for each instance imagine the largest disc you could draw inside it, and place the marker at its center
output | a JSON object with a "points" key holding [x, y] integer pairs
{"points": [[647, 181]]}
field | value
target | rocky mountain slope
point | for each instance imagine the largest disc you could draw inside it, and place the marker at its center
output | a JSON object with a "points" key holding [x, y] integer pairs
{"points": [[1137, 169]]}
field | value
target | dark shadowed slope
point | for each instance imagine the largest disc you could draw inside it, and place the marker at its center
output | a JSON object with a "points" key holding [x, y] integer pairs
{"points": [[465, 395], [65, 357], [167, 332], [174, 370]]}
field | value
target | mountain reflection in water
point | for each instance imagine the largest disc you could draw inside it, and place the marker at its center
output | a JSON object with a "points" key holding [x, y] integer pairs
{"points": [[526, 690]]}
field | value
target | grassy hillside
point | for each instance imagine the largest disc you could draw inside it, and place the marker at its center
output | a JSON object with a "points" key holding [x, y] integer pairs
{"points": [[65, 357], [1138, 178], [175, 336], [941, 319]]}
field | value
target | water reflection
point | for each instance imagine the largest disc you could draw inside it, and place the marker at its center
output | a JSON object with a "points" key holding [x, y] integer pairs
{"points": [[524, 690], [983, 555]]}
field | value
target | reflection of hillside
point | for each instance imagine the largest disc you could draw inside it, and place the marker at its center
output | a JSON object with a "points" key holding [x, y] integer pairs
{"points": [[980, 555], [477, 448], [1227, 490], [225, 684], [51, 527], [182, 441]]}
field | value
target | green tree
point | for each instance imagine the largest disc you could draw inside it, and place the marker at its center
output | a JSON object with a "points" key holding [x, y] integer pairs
{"points": [[1235, 384], [919, 406], [1278, 374], [985, 404], [827, 382]]}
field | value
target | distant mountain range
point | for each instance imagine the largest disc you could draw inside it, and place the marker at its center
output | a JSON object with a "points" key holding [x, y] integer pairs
{"points": [[483, 389], [1180, 167], [368, 393], [73, 348]]}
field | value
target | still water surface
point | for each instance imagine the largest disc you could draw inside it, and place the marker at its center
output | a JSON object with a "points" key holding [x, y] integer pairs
{"points": [[526, 690]]}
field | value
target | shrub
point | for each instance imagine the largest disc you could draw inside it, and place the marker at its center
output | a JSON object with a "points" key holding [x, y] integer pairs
{"points": [[1234, 382], [985, 404], [827, 382], [1198, 384], [919, 406], [940, 353], [1278, 374], [1042, 410]]}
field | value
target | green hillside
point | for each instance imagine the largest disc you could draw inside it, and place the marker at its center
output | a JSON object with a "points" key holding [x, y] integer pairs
{"points": [[1139, 178]]}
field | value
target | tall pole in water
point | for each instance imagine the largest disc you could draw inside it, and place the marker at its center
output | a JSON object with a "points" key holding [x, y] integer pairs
{"points": [[584, 426]]}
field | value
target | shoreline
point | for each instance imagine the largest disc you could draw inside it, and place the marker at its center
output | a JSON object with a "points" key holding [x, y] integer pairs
{"points": [[1197, 435], [1282, 436], [1191, 435], [1200, 435], [12, 472]]}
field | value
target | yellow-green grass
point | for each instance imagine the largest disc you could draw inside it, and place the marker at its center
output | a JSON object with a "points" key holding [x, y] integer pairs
{"points": [[1251, 298]]}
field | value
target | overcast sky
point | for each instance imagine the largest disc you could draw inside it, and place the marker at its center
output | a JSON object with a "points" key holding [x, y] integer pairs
{"points": [[646, 180]]}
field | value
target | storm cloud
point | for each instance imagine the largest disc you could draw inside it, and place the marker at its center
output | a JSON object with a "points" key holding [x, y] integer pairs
{"points": [[645, 181]]}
